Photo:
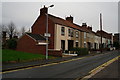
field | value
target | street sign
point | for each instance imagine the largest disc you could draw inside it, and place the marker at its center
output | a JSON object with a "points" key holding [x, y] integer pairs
{"points": [[47, 35]]}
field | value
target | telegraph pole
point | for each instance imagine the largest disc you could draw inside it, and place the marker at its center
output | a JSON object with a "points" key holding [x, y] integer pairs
{"points": [[101, 31]]}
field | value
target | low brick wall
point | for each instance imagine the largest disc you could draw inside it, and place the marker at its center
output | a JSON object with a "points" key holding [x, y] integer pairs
{"points": [[56, 53]]}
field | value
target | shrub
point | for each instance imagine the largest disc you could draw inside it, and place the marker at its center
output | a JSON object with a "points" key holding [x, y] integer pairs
{"points": [[80, 51], [66, 51], [116, 45], [12, 43]]}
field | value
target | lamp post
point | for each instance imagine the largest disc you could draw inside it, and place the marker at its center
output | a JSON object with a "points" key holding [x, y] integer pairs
{"points": [[47, 34]]}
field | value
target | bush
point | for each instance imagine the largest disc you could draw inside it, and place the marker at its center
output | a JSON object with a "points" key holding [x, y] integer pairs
{"points": [[116, 45], [80, 51], [66, 51], [12, 43]]}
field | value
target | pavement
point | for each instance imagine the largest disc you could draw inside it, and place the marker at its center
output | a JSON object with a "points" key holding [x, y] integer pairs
{"points": [[65, 70]]}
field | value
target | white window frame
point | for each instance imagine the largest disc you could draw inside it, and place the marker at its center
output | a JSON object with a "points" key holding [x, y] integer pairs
{"points": [[77, 34], [63, 32], [84, 35]]}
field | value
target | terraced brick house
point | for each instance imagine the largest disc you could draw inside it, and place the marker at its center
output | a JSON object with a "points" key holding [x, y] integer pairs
{"points": [[65, 35], [107, 39]]}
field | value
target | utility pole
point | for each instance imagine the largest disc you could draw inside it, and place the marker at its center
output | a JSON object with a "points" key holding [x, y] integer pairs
{"points": [[101, 31]]}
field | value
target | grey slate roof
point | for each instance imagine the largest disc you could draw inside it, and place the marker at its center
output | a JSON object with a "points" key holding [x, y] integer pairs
{"points": [[36, 36]]}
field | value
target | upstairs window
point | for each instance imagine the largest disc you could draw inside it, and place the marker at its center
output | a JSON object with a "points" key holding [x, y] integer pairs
{"points": [[72, 32], [76, 33], [69, 32], [62, 31], [84, 35]]}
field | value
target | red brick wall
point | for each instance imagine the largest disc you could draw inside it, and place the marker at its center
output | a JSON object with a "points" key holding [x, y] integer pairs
{"points": [[27, 44], [39, 27], [55, 53]]}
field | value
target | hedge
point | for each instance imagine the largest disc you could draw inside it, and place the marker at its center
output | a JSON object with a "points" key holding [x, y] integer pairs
{"points": [[80, 51]]}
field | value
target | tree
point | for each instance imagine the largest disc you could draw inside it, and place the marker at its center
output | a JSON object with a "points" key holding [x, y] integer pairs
{"points": [[11, 30], [12, 43], [2, 28]]}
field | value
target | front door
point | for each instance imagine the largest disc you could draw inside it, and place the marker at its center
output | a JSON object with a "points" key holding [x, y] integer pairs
{"points": [[89, 45], [70, 44], [63, 45]]}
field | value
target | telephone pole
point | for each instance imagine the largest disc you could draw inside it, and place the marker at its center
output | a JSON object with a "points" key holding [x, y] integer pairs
{"points": [[101, 31]]}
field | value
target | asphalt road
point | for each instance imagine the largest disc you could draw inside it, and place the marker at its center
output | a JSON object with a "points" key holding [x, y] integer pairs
{"points": [[70, 70], [111, 71]]}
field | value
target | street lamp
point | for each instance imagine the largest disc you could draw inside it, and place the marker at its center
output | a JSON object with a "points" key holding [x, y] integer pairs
{"points": [[47, 34]]}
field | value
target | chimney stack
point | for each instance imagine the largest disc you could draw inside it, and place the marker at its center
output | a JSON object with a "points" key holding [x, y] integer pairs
{"points": [[70, 19], [43, 10], [84, 24], [89, 28]]}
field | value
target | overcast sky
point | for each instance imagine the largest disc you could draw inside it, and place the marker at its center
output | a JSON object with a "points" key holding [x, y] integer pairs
{"points": [[25, 13]]}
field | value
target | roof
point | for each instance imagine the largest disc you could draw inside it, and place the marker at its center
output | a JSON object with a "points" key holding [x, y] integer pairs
{"points": [[104, 34], [64, 22], [36, 36]]}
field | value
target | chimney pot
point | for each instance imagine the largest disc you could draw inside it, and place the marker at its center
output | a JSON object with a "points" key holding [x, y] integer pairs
{"points": [[89, 28], [43, 10], [70, 19], [84, 24]]}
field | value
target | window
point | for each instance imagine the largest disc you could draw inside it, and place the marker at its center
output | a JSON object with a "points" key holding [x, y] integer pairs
{"points": [[77, 34], [62, 31], [76, 44], [84, 34], [72, 32], [69, 32]]}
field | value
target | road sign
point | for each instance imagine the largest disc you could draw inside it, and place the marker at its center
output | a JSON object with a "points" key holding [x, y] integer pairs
{"points": [[47, 35]]}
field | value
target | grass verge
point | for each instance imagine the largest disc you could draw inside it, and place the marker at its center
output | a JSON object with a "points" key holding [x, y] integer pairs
{"points": [[12, 55]]}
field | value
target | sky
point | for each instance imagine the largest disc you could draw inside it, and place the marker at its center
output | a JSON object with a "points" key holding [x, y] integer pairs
{"points": [[24, 14]]}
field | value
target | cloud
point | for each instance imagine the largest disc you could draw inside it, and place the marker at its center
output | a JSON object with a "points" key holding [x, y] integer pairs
{"points": [[25, 13]]}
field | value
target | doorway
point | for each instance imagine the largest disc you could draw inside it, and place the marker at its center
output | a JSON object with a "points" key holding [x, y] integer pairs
{"points": [[70, 44], [63, 45]]}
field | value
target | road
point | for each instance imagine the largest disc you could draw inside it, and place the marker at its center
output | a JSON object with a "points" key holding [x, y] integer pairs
{"points": [[70, 70], [111, 71]]}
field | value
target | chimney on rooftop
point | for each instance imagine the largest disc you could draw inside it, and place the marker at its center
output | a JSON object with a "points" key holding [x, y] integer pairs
{"points": [[84, 24], [43, 10], [89, 28], [70, 19]]}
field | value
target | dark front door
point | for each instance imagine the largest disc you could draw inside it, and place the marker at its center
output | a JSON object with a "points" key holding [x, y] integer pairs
{"points": [[63, 45], [89, 45], [70, 44], [95, 45]]}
